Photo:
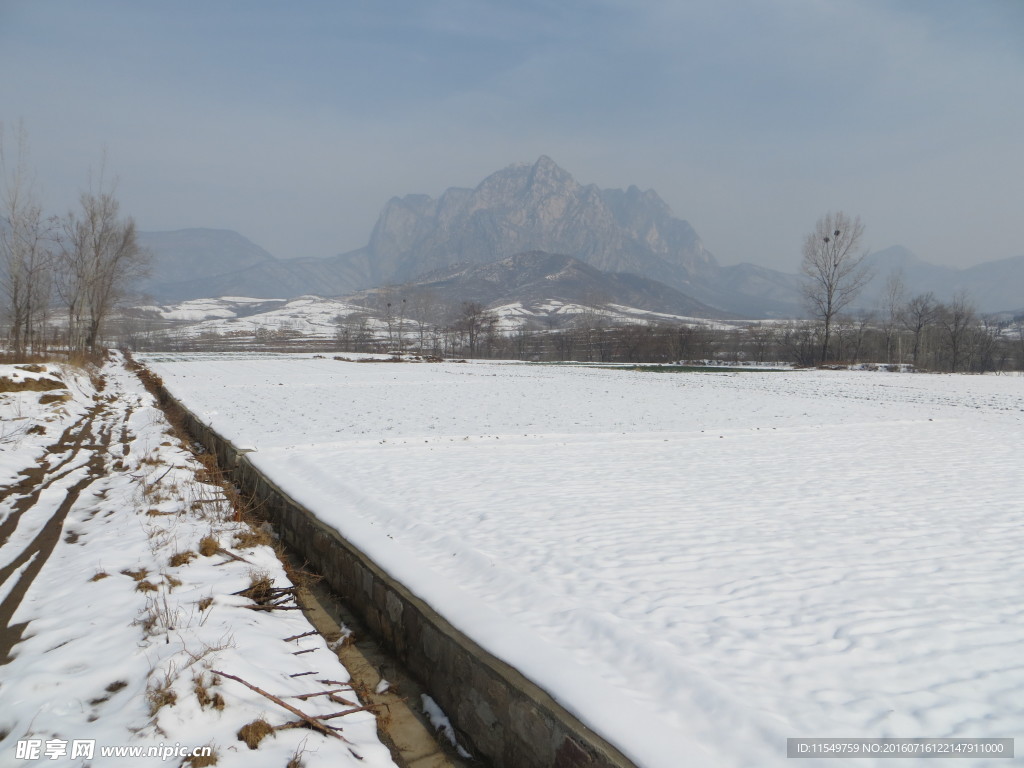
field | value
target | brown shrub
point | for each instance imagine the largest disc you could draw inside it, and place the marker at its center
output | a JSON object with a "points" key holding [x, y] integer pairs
{"points": [[201, 761], [181, 558], [253, 733], [253, 537], [203, 695], [260, 588], [208, 545], [160, 696]]}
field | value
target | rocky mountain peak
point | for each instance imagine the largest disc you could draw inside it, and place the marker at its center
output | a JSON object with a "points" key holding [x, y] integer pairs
{"points": [[534, 207], [547, 176], [525, 187]]}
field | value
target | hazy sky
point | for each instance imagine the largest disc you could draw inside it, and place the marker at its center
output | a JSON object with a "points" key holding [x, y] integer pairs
{"points": [[294, 122]]}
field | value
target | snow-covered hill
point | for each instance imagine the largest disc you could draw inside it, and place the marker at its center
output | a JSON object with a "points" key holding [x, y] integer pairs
{"points": [[236, 321]]}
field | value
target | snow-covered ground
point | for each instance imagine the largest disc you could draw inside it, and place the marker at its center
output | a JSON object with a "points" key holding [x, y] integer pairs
{"points": [[123, 609], [198, 310], [557, 313], [318, 318], [700, 565], [304, 316]]}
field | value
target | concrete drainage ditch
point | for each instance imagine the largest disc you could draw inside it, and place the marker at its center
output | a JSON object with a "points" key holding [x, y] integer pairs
{"points": [[499, 715]]}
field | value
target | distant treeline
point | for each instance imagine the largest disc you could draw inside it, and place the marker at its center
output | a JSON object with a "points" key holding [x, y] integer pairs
{"points": [[925, 334]]}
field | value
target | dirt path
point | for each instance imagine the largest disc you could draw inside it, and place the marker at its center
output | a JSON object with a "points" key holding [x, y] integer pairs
{"points": [[72, 464]]}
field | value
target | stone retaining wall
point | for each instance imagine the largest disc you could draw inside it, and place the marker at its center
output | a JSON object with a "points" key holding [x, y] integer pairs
{"points": [[499, 715]]}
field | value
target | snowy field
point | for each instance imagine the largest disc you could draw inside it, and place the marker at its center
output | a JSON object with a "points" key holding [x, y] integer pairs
{"points": [[700, 565]]}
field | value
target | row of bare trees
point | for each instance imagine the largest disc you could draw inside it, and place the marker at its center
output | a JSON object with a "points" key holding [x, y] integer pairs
{"points": [[944, 345], [63, 272], [921, 332], [947, 336]]}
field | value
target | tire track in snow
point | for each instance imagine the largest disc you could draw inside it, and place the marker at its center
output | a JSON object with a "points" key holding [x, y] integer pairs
{"points": [[27, 564], [36, 479]]}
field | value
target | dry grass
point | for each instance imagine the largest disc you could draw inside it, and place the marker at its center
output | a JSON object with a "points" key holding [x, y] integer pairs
{"points": [[30, 385], [201, 761], [253, 537], [138, 575], [157, 615], [208, 545], [181, 558], [48, 399], [161, 695], [296, 759], [253, 733], [297, 575], [151, 460], [203, 695], [99, 575], [260, 588], [205, 603], [146, 586], [209, 472]]}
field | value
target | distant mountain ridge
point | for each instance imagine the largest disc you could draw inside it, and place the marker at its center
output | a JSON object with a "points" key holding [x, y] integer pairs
{"points": [[539, 276], [994, 286], [522, 208], [184, 255], [538, 207]]}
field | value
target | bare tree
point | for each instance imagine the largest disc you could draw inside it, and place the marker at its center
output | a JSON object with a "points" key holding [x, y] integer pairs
{"points": [[956, 320], [589, 327], [892, 309], [985, 352], [476, 324], [1018, 324], [99, 258], [919, 313], [25, 249], [390, 303], [834, 271], [354, 333], [850, 332], [424, 310], [761, 336]]}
